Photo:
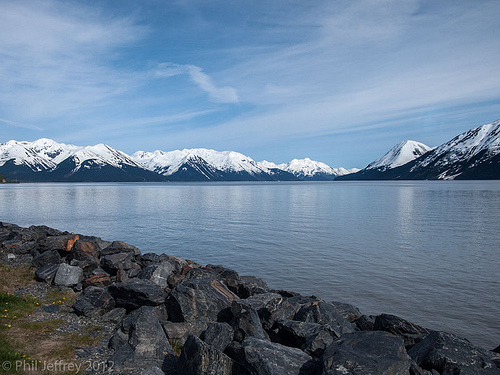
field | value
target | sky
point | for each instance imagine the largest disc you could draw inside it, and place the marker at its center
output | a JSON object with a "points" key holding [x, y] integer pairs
{"points": [[336, 81]]}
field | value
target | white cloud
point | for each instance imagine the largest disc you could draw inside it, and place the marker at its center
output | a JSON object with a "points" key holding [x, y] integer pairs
{"points": [[224, 94]]}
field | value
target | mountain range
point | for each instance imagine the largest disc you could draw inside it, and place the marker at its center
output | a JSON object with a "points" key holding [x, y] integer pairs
{"points": [[47, 160], [472, 155]]}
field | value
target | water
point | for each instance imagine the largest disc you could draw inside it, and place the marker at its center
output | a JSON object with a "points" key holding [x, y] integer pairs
{"points": [[427, 251]]}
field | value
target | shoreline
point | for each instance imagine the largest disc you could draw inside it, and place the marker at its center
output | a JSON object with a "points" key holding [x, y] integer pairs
{"points": [[173, 315]]}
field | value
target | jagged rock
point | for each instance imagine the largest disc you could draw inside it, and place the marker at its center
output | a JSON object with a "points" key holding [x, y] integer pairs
{"points": [[264, 357], [201, 299], [179, 332], [120, 247], [450, 354], [347, 311], [141, 343], [198, 357], [148, 259], [411, 333], [157, 273], [271, 307], [63, 243], [137, 293], [48, 257], [94, 302], [497, 349], [245, 286], [219, 335], [47, 272], [365, 323], [366, 352], [67, 275], [115, 315], [45, 231], [113, 262], [324, 313], [246, 321], [85, 254], [313, 338], [17, 246]]}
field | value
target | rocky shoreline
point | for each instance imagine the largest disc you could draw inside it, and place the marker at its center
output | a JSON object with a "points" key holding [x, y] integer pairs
{"points": [[168, 315]]}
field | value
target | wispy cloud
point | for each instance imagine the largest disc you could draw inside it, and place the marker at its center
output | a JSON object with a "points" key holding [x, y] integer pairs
{"points": [[217, 94], [18, 125]]}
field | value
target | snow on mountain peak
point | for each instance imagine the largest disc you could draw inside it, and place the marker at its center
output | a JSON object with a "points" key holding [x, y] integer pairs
{"points": [[400, 154]]}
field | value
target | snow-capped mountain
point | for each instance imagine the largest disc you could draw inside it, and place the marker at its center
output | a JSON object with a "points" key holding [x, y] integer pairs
{"points": [[400, 154], [205, 164], [474, 154], [47, 160], [307, 169]]}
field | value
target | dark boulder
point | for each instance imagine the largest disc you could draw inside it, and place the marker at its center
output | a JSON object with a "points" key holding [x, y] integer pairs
{"points": [[264, 357], [85, 254], [157, 273], [246, 321], [141, 343], [450, 354], [115, 315], [365, 322], [47, 272], [324, 313], [67, 275], [347, 311], [99, 280], [48, 257], [94, 302], [312, 338], [245, 286], [137, 293], [411, 333], [114, 262], [44, 231], [366, 352], [219, 335], [63, 243], [198, 357], [120, 247], [271, 307], [198, 300], [178, 332]]}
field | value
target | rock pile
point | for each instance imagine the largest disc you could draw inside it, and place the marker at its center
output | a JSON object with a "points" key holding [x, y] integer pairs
{"points": [[175, 316]]}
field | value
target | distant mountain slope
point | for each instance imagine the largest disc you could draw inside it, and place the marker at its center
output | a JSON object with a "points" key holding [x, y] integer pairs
{"points": [[474, 154], [46, 160], [400, 154]]}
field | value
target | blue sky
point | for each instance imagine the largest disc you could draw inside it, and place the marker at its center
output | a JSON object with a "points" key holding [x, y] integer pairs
{"points": [[336, 81]]}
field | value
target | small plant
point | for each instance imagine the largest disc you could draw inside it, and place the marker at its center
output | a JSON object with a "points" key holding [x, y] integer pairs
{"points": [[177, 345]]}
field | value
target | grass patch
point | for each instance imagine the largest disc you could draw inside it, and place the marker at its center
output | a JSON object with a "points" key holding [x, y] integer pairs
{"points": [[57, 296], [14, 278], [177, 346]]}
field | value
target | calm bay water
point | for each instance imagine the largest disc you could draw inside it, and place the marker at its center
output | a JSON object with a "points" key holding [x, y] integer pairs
{"points": [[427, 251]]}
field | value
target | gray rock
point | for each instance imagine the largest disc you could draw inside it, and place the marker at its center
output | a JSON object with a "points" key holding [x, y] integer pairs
{"points": [[219, 335], [450, 354], [85, 254], [366, 352], [48, 257], [141, 343], [94, 302], [313, 338], [113, 262], [347, 311], [324, 313], [155, 370], [179, 332], [62, 243], [264, 357], [47, 272], [198, 357], [198, 300], [411, 333], [157, 273], [120, 247], [245, 286], [116, 315], [136, 293], [246, 321], [67, 275], [365, 323], [271, 307]]}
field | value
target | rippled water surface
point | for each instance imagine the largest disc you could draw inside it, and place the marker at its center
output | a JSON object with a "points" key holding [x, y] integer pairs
{"points": [[427, 251]]}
